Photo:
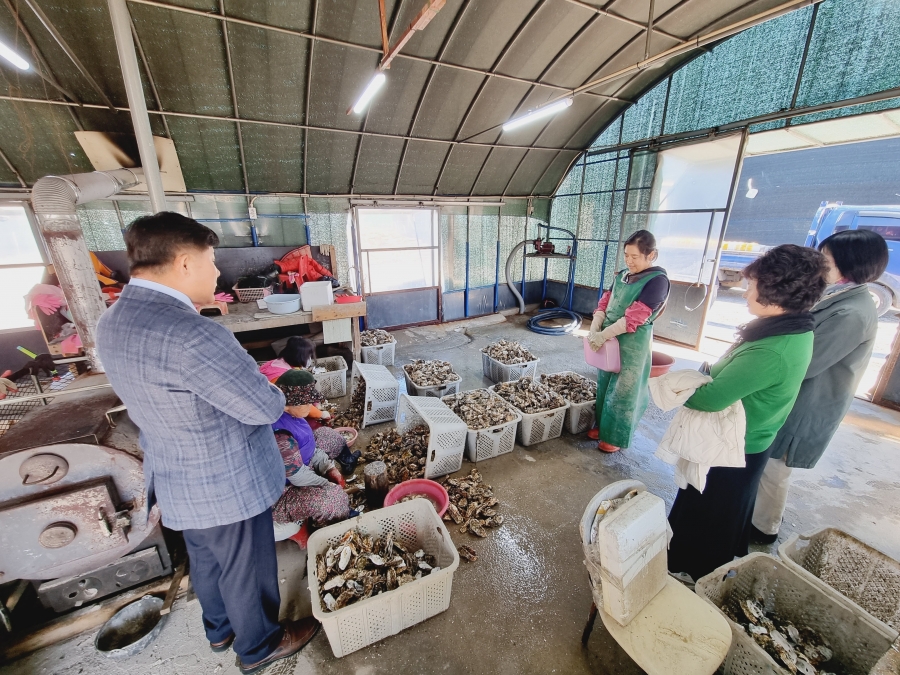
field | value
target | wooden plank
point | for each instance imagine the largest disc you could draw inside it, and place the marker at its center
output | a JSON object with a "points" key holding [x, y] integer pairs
{"points": [[356, 340], [173, 589], [423, 18], [337, 330], [338, 311], [384, 34], [77, 622]]}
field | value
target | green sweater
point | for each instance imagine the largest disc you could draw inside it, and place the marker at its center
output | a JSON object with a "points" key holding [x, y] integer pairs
{"points": [[765, 376]]}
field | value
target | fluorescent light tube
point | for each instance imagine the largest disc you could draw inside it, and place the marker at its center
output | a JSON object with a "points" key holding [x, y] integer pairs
{"points": [[370, 91], [13, 58], [539, 113]]}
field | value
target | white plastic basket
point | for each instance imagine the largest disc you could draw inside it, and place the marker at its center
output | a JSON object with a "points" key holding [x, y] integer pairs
{"points": [[580, 416], [414, 524], [447, 433], [436, 390], [858, 641], [380, 355], [493, 441], [382, 390], [501, 372], [539, 427], [865, 576], [332, 384]]}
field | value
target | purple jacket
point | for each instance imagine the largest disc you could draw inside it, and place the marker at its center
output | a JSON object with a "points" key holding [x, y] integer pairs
{"points": [[300, 430]]}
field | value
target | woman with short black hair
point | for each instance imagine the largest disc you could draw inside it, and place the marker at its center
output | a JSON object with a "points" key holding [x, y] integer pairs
{"points": [[846, 324], [763, 370]]}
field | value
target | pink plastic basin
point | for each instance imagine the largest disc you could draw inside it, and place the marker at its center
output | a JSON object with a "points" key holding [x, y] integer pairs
{"points": [[350, 431], [422, 486], [660, 364]]}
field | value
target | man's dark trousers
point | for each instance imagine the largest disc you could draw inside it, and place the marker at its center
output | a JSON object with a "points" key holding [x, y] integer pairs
{"points": [[235, 576]]}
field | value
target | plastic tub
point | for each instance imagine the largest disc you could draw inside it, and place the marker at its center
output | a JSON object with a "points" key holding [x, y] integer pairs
{"points": [[333, 382], [435, 491], [660, 364], [493, 441], [380, 355], [607, 359], [353, 433], [283, 303], [499, 372], [347, 299], [446, 432]]}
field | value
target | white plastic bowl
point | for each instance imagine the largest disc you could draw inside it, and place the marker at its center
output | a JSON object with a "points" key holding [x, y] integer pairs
{"points": [[283, 303]]}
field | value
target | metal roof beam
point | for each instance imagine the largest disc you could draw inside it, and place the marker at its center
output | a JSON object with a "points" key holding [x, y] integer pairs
{"points": [[68, 50], [234, 103], [309, 74], [244, 120], [423, 18], [146, 64], [12, 168], [624, 19], [351, 45]]}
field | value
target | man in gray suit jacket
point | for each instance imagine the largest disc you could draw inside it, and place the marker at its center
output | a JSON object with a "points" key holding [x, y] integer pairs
{"points": [[204, 410]]}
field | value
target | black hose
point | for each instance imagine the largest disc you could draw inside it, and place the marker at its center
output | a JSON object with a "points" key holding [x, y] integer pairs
{"points": [[534, 323]]}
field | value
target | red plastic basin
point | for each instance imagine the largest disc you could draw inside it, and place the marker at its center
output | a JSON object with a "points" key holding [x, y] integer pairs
{"points": [[660, 364], [347, 299], [434, 491]]}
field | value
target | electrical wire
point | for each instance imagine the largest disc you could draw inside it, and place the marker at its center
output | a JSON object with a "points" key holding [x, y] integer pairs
{"points": [[534, 323]]}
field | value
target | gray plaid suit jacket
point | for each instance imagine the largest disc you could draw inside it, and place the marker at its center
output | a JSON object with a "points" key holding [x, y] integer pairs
{"points": [[202, 406]]}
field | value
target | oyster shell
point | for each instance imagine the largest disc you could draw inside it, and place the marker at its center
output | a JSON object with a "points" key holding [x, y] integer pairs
{"points": [[574, 388], [529, 396], [430, 373], [373, 338], [480, 409], [509, 352]]}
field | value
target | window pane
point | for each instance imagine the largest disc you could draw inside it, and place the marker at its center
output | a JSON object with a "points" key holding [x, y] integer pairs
{"points": [[398, 270], [17, 244], [396, 228], [16, 283], [889, 228]]}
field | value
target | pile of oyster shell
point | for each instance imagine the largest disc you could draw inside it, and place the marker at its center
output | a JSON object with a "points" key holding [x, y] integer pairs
{"points": [[800, 650], [405, 456], [472, 504], [509, 352], [353, 415], [373, 338], [360, 566], [430, 373], [529, 396], [572, 387], [480, 409]]}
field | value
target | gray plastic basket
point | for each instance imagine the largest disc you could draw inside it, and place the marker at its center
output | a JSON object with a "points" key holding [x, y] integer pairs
{"points": [[865, 576], [858, 641]]}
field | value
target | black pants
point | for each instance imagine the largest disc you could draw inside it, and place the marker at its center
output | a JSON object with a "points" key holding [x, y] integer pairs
{"points": [[235, 576], [711, 528]]}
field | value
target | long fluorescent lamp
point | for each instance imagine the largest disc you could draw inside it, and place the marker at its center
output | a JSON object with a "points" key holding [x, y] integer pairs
{"points": [[370, 91], [13, 58], [539, 113]]}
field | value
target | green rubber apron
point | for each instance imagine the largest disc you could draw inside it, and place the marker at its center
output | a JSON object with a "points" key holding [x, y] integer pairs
{"points": [[622, 397]]}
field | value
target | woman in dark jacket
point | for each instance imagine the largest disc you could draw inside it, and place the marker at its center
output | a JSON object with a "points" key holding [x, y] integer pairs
{"points": [[763, 370], [846, 326]]}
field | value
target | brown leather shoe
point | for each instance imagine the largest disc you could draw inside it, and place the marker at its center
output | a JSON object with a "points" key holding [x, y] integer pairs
{"points": [[223, 645], [296, 635]]}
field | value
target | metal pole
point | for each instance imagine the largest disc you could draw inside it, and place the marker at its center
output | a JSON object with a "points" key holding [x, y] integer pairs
{"points": [[466, 296], [131, 74]]}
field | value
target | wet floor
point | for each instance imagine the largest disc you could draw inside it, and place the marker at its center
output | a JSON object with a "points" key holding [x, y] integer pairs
{"points": [[522, 606]]}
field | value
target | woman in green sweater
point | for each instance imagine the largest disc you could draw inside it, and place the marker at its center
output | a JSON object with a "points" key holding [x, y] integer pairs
{"points": [[763, 370]]}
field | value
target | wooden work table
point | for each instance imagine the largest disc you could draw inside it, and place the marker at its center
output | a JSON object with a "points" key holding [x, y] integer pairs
{"points": [[244, 316]]}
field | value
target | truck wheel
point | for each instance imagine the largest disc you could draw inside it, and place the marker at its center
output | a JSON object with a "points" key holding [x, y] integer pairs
{"points": [[883, 298]]}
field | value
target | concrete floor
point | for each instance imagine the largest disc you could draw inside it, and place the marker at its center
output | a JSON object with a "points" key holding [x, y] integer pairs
{"points": [[521, 608]]}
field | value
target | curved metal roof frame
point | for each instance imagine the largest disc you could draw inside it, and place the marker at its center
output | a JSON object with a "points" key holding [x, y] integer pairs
{"points": [[264, 85]]}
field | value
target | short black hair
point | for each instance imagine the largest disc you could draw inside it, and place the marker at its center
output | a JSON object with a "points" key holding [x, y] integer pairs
{"points": [[861, 256], [152, 242], [299, 352], [789, 276], [644, 240]]}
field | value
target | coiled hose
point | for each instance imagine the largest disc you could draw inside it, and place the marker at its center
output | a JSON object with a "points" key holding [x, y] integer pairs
{"points": [[534, 323]]}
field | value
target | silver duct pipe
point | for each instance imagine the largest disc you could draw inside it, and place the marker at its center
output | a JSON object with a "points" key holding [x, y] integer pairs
{"points": [[54, 199]]}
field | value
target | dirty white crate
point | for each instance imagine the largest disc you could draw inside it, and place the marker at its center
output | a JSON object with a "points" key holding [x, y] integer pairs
{"points": [[446, 432], [501, 372], [858, 641], [865, 576], [382, 390], [380, 355], [333, 383], [493, 441], [413, 524], [580, 416], [437, 390], [539, 427]]}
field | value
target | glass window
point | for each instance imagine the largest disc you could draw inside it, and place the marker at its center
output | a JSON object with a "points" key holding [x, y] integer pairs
{"points": [[17, 243], [889, 228], [21, 265]]}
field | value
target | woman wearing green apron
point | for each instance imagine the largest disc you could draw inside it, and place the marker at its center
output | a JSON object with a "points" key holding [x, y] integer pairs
{"points": [[627, 314]]}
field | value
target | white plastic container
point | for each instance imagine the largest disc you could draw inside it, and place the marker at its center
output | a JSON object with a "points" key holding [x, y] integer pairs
{"points": [[539, 427], [633, 555], [381, 355], [447, 432], [333, 383], [579, 416], [316, 294], [283, 303], [493, 441], [501, 372], [382, 390], [436, 390], [414, 524]]}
